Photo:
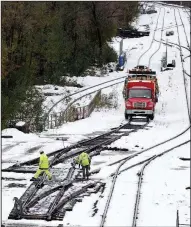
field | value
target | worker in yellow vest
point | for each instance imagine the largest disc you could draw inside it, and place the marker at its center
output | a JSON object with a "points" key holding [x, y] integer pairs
{"points": [[85, 161], [43, 167]]}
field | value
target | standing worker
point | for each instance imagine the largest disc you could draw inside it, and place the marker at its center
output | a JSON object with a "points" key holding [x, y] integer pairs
{"points": [[43, 167], [85, 161]]}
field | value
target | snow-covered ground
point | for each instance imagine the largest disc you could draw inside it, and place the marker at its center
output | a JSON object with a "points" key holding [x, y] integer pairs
{"points": [[165, 179]]}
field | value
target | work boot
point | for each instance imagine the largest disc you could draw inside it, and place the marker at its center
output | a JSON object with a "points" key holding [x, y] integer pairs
{"points": [[33, 179]]}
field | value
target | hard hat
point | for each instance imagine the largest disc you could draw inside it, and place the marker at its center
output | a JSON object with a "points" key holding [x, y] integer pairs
{"points": [[41, 152]]}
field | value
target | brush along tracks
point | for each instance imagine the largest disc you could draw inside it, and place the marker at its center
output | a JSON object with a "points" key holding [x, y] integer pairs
{"points": [[45, 200], [83, 93]]}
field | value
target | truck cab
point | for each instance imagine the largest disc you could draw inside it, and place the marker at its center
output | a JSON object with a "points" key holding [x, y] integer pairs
{"points": [[140, 99], [142, 74]]}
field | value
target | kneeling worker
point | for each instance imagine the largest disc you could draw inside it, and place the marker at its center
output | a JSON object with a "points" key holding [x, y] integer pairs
{"points": [[85, 162], [77, 162], [43, 167]]}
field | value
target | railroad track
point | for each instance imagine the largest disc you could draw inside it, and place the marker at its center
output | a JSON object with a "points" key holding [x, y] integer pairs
{"points": [[55, 191], [97, 86], [188, 13], [140, 175], [89, 145], [146, 161], [188, 45], [183, 70], [20, 224], [159, 43], [151, 40], [55, 209]]}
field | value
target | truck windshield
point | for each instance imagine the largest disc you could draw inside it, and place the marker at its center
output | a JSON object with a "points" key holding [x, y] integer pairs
{"points": [[136, 93]]}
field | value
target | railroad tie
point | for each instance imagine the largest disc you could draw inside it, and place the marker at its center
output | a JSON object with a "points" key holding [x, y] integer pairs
{"points": [[18, 207]]}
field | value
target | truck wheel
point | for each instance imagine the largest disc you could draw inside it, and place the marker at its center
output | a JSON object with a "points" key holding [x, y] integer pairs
{"points": [[126, 116], [152, 117]]}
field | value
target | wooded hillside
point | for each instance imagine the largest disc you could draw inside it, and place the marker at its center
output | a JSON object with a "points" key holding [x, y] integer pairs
{"points": [[44, 41]]}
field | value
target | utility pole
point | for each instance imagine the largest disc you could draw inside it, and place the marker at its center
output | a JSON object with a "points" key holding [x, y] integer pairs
{"points": [[121, 47], [166, 52]]}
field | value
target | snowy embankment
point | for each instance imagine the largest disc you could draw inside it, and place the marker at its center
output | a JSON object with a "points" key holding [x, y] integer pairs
{"points": [[165, 179]]}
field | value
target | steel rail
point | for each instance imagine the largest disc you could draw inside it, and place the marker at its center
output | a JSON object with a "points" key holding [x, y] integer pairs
{"points": [[97, 85], [167, 27], [183, 71], [117, 172], [151, 41], [123, 162], [186, 73], [46, 114], [159, 43], [66, 149], [140, 174], [188, 13], [156, 145], [28, 201], [67, 96], [187, 57], [58, 159], [171, 5], [179, 45], [75, 100], [188, 45], [135, 214]]}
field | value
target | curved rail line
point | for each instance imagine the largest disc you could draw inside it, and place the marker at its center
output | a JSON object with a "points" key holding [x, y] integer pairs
{"points": [[67, 96], [105, 82], [172, 26], [27, 198], [188, 13], [93, 142], [187, 73], [140, 174], [183, 71], [117, 172], [171, 6], [151, 41], [103, 219], [135, 216], [188, 45], [148, 161], [137, 153], [159, 43], [179, 45], [75, 100]]}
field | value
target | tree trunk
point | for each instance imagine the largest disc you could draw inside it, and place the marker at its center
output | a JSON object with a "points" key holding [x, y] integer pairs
{"points": [[98, 32]]}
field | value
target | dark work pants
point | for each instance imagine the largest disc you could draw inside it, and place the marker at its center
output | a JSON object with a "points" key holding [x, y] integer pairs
{"points": [[85, 170]]}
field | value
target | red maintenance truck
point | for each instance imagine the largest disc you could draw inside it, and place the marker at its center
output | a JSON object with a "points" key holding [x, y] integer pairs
{"points": [[140, 99]]}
